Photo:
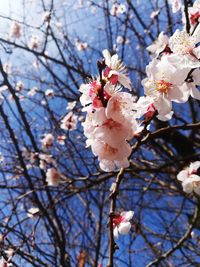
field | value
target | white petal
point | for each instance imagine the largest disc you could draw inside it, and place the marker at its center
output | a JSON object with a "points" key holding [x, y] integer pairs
{"points": [[182, 175], [197, 34], [195, 92], [125, 81], [196, 76], [124, 228], [115, 232], [127, 215], [196, 51], [187, 187], [114, 62], [107, 57], [179, 94], [122, 163], [195, 165], [163, 105], [166, 117]]}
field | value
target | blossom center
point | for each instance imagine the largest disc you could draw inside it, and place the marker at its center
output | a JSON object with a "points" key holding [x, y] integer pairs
{"points": [[193, 172], [113, 78], [163, 86], [110, 150], [112, 124], [117, 220], [94, 88]]}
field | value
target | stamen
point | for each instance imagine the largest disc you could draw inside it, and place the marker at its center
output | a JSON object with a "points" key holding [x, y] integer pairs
{"points": [[163, 86]]}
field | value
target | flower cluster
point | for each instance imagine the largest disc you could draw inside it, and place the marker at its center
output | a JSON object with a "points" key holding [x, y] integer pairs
{"points": [[173, 74], [190, 178], [110, 119]]}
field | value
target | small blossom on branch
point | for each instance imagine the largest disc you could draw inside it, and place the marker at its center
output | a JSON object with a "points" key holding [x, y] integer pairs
{"points": [[115, 71], [121, 223], [176, 5], [190, 178], [159, 45], [69, 122], [15, 30], [32, 212], [53, 177], [194, 15], [47, 141]]}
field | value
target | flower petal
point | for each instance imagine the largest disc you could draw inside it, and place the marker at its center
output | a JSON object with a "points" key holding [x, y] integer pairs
{"points": [[124, 228]]}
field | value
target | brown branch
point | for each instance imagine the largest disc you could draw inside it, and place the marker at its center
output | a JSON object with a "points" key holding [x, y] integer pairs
{"points": [[187, 16], [113, 197]]}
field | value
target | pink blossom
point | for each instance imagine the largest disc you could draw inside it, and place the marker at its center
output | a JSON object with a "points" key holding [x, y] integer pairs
{"points": [[33, 91], [155, 14], [120, 107], [105, 151], [109, 121], [113, 132], [112, 165], [120, 39], [91, 94]]}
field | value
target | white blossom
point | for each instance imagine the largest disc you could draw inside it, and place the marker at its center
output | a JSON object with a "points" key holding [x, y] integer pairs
{"points": [[190, 178], [115, 72], [34, 42], [121, 223], [81, 46], [53, 177], [159, 45], [47, 141], [15, 30], [69, 122], [32, 212], [49, 93]]}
